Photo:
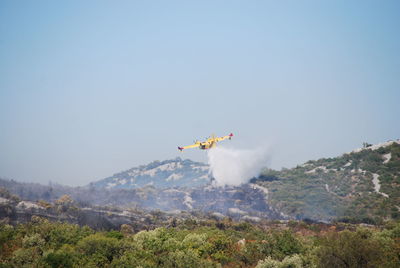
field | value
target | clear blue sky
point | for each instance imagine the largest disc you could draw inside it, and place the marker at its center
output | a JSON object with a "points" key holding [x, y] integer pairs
{"points": [[90, 88]]}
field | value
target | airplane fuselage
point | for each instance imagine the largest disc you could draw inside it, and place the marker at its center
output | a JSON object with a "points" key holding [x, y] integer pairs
{"points": [[208, 144]]}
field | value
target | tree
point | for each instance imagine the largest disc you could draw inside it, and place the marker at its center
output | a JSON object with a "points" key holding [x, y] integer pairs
{"points": [[99, 248], [353, 249], [64, 203], [293, 261]]}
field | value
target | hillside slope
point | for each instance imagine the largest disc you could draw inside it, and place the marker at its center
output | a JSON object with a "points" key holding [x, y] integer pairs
{"points": [[361, 185], [164, 174]]}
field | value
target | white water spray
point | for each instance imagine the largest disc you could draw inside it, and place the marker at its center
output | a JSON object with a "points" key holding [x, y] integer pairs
{"points": [[234, 167]]}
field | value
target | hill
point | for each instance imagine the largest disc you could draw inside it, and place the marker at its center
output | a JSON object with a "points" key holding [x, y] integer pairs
{"points": [[362, 185], [164, 174]]}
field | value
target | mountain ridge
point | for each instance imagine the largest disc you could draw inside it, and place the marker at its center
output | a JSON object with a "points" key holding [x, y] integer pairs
{"points": [[160, 174], [360, 186]]}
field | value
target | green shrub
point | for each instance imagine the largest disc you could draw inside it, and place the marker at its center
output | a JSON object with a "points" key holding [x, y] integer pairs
{"points": [[354, 249], [293, 261], [100, 248]]}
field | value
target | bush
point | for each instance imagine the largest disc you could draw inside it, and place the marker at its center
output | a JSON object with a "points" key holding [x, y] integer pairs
{"points": [[354, 249], [100, 248], [281, 244], [64, 257], [45, 244], [294, 261]]}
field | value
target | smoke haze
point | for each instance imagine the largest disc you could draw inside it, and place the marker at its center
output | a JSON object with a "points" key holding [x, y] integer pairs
{"points": [[233, 166]]}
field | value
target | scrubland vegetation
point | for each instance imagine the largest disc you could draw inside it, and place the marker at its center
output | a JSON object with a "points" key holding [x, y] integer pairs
{"points": [[361, 229], [201, 243], [340, 187]]}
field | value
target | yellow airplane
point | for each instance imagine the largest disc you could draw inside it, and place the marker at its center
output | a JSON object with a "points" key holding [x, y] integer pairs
{"points": [[209, 143]]}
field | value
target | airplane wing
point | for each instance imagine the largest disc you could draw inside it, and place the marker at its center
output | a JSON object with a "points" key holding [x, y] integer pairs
{"points": [[224, 137], [188, 147]]}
